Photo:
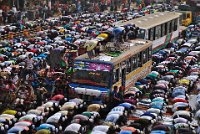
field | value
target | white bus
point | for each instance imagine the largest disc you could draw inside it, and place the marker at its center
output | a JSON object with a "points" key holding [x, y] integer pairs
{"points": [[160, 27]]}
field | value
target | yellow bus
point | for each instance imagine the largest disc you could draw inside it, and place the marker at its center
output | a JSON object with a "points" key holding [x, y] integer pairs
{"points": [[160, 27], [186, 18], [97, 75]]}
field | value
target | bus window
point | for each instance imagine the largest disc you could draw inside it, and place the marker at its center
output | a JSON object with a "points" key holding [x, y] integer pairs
{"points": [[188, 15], [152, 34], [168, 28], [129, 65], [141, 33], [145, 56], [150, 53], [140, 59], [116, 75], [134, 63], [172, 24], [181, 19], [184, 15], [149, 34], [163, 30], [158, 32], [175, 24]]}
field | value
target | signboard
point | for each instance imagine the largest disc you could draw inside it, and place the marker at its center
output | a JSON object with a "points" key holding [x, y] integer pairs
{"points": [[92, 66]]}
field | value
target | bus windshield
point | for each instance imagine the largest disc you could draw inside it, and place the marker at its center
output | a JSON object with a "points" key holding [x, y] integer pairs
{"points": [[92, 73]]}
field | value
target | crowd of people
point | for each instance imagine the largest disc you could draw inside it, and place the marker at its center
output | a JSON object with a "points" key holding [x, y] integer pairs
{"points": [[35, 72]]}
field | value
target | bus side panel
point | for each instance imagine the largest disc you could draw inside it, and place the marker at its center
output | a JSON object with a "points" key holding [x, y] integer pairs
{"points": [[163, 41], [135, 75]]}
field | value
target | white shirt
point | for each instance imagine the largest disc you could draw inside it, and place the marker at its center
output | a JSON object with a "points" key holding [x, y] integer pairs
{"points": [[75, 127]]}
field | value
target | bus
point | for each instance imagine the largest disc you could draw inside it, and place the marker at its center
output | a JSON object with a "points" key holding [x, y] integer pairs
{"points": [[160, 27], [186, 18], [97, 75]]}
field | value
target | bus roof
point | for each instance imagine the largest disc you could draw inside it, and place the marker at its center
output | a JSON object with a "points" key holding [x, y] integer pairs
{"points": [[151, 20], [135, 46]]}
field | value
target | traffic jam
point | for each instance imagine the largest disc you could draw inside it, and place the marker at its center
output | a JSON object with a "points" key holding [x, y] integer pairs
{"points": [[36, 65]]}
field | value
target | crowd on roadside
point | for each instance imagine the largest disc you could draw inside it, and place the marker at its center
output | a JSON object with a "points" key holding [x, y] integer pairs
{"points": [[159, 103], [27, 77]]}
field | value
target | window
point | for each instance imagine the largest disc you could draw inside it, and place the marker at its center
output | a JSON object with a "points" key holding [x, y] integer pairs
{"points": [[184, 15], [188, 15], [141, 33], [149, 53], [116, 75], [172, 28], [162, 30], [128, 65], [134, 63], [140, 59], [145, 54], [151, 34], [168, 28], [158, 32], [175, 24]]}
